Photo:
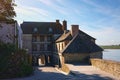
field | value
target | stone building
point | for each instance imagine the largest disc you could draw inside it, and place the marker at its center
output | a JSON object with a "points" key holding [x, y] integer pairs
{"points": [[39, 39], [50, 43], [77, 46]]}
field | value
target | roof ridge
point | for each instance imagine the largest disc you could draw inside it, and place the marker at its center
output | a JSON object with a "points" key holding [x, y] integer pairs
{"points": [[87, 34], [37, 22]]}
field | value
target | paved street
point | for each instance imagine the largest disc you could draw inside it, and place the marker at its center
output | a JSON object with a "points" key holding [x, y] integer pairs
{"points": [[79, 72], [45, 73]]}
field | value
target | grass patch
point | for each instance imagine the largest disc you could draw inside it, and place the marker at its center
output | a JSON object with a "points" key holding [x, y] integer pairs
{"points": [[111, 47]]}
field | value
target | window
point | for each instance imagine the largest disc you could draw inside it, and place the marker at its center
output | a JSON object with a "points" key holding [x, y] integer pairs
{"points": [[34, 38], [49, 47], [42, 48], [34, 47], [49, 38], [41, 38]]}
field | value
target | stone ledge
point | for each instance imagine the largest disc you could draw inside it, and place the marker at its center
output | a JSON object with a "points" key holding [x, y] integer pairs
{"points": [[109, 66]]}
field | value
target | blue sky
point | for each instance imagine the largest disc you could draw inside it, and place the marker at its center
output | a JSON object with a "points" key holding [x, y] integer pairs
{"points": [[98, 18]]}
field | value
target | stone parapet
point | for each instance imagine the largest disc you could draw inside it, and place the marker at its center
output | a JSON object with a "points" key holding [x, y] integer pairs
{"points": [[107, 66]]}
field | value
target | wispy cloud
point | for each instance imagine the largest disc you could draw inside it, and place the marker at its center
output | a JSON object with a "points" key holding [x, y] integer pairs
{"points": [[105, 36], [57, 5], [27, 10], [47, 2], [104, 15], [106, 9]]}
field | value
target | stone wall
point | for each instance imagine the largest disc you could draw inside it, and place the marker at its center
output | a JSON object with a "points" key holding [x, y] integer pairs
{"points": [[76, 57], [96, 55], [107, 66], [7, 32], [27, 42], [64, 67]]}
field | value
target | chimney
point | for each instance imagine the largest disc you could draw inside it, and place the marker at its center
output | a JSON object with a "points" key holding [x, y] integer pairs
{"points": [[57, 21], [64, 25], [74, 30]]}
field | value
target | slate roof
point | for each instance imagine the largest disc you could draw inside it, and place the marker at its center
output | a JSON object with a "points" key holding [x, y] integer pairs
{"points": [[42, 28], [68, 36], [81, 45], [85, 34]]}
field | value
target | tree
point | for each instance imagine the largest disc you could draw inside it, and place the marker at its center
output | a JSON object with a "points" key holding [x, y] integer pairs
{"points": [[7, 10]]}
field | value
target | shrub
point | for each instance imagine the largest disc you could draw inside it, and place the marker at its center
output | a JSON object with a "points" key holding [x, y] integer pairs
{"points": [[14, 62]]}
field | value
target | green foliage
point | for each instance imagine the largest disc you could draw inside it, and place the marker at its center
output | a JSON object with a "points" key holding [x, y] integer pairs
{"points": [[14, 62], [111, 47], [26, 70], [7, 10]]}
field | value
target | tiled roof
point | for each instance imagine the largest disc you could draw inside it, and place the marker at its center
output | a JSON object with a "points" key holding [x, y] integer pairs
{"points": [[41, 28], [81, 45]]}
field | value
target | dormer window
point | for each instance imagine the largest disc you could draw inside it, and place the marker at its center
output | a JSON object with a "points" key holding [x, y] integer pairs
{"points": [[35, 29], [50, 29]]}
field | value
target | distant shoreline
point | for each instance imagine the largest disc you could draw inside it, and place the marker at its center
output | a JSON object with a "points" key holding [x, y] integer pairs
{"points": [[111, 47]]}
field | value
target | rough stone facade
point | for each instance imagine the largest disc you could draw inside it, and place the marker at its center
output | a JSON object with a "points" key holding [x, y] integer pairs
{"points": [[76, 57], [108, 66], [96, 55], [81, 57], [27, 40], [10, 32], [7, 32]]}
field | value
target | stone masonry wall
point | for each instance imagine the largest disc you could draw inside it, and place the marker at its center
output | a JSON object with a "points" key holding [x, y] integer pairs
{"points": [[96, 55], [107, 66], [64, 67], [75, 57], [27, 42], [7, 32]]}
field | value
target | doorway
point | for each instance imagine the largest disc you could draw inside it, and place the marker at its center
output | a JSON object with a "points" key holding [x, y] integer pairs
{"points": [[41, 60]]}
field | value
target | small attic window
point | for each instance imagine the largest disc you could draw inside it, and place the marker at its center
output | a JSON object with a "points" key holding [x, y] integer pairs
{"points": [[35, 29], [50, 29]]}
